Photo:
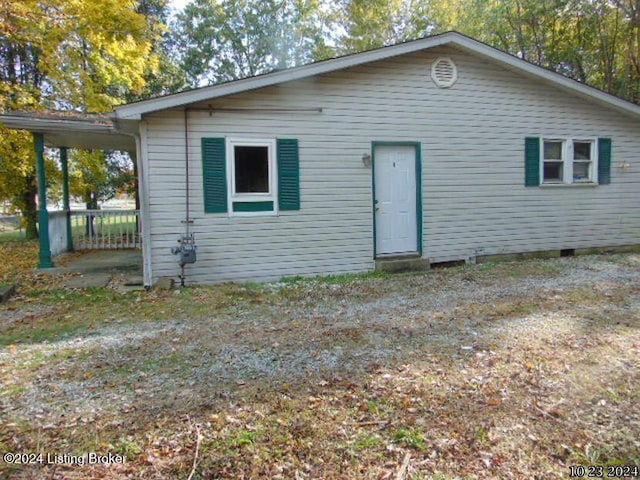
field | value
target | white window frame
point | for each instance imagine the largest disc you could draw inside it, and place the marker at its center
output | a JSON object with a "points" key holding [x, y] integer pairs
{"points": [[232, 196], [567, 161]]}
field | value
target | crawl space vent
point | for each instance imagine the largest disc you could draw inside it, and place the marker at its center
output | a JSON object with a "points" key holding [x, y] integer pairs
{"points": [[444, 72]]}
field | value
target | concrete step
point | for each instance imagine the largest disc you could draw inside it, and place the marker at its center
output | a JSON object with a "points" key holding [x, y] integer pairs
{"points": [[413, 263]]}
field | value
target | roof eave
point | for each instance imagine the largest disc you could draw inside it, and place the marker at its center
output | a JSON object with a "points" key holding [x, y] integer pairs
{"points": [[135, 111], [557, 79], [97, 133], [36, 124]]}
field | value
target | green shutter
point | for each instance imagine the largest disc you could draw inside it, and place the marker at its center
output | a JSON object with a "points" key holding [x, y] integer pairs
{"points": [[604, 161], [531, 162], [288, 174], [214, 175]]}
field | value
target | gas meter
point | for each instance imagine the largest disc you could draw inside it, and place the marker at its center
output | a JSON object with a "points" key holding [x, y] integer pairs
{"points": [[186, 250]]}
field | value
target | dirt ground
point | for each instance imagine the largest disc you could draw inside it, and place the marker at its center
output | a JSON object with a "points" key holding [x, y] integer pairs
{"points": [[517, 370]]}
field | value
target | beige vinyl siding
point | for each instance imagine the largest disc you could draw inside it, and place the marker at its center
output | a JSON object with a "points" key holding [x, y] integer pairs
{"points": [[331, 233], [472, 137]]}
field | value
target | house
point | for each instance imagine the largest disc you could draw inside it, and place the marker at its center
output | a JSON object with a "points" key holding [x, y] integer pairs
{"points": [[440, 149]]}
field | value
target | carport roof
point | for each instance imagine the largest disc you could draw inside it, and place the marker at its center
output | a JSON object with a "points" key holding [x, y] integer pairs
{"points": [[72, 130]]}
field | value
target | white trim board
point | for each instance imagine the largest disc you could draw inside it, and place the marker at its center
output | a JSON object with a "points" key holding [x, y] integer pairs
{"points": [[145, 207]]}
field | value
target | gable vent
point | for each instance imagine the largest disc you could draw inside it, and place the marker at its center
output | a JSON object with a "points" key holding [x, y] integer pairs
{"points": [[444, 72]]}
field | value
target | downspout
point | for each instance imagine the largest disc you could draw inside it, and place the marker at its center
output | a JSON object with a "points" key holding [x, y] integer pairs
{"points": [[136, 174], [142, 177], [186, 172], [186, 250]]}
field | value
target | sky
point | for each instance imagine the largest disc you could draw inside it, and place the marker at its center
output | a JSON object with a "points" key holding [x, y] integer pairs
{"points": [[177, 5]]}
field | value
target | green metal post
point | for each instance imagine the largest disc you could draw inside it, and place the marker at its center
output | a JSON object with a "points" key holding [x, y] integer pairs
{"points": [[64, 163], [43, 215]]}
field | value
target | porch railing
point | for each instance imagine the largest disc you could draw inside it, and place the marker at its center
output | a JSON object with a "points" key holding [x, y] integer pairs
{"points": [[105, 229]]}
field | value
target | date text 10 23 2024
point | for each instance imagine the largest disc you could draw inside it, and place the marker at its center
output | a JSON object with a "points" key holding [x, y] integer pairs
{"points": [[611, 471]]}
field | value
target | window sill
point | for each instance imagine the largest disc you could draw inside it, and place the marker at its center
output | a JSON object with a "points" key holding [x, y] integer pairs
{"points": [[569, 185], [252, 214], [244, 208]]}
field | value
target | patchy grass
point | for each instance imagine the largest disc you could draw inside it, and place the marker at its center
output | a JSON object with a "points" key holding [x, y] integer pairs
{"points": [[11, 236], [69, 312], [9, 231], [344, 278], [515, 370]]}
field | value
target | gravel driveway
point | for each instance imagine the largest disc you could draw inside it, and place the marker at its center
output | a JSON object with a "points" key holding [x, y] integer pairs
{"points": [[292, 334]]}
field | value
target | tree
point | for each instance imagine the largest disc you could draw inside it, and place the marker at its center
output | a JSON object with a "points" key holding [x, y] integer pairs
{"points": [[58, 54], [96, 176], [166, 76], [371, 24], [18, 175], [230, 39]]}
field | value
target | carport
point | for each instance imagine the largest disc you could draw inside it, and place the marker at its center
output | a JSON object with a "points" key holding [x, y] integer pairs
{"points": [[62, 131]]}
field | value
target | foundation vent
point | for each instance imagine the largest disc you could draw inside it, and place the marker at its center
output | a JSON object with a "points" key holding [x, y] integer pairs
{"points": [[444, 72]]}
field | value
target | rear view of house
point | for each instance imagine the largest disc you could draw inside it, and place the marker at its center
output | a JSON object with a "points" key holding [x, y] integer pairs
{"points": [[440, 149]]}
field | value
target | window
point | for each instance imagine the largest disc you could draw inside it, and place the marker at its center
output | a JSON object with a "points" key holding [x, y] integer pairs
{"points": [[251, 169], [251, 183], [583, 155], [250, 177], [566, 161], [552, 170]]}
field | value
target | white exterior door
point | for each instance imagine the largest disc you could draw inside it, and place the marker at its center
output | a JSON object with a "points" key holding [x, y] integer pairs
{"points": [[395, 199]]}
